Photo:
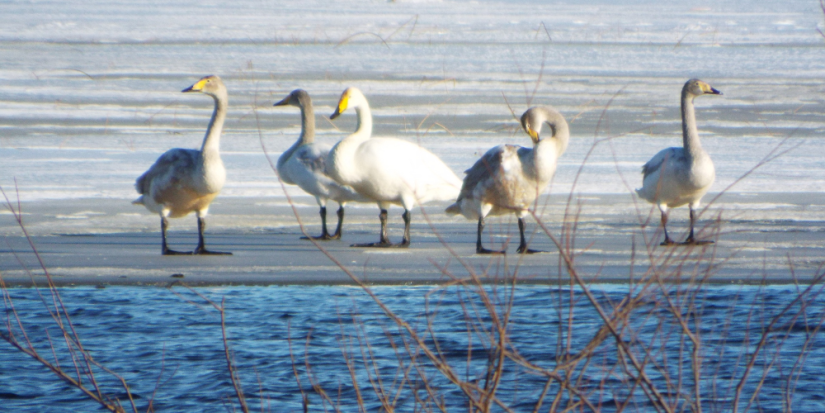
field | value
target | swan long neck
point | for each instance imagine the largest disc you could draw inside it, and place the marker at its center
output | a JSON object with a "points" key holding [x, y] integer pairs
{"points": [[307, 124], [307, 134], [363, 126], [342, 166], [561, 135], [690, 135], [560, 132], [547, 151], [212, 141]]}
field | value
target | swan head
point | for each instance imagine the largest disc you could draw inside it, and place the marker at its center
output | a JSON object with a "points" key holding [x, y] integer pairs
{"points": [[298, 97], [210, 85], [696, 87], [351, 98], [534, 119]]}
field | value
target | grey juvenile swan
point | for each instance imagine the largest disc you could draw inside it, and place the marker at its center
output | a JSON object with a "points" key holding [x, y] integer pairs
{"points": [[304, 164], [679, 176], [509, 178], [187, 180]]}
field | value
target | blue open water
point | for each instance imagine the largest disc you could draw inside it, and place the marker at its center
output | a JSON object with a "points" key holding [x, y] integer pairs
{"points": [[153, 336]]}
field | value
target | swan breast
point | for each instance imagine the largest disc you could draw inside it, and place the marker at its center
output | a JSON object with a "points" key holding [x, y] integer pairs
{"points": [[181, 180], [670, 178]]}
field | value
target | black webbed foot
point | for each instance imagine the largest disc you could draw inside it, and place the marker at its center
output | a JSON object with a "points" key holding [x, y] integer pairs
{"points": [[530, 251], [380, 244], [167, 251], [204, 251], [322, 237], [691, 241], [482, 250]]}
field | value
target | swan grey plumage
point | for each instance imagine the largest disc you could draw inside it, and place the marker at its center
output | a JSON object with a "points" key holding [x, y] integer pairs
{"points": [[679, 176], [387, 171], [182, 181], [304, 164], [509, 178]]}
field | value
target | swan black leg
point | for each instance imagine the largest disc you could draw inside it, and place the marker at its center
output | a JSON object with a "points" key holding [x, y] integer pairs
{"points": [[405, 242], [339, 229], [201, 249], [383, 241], [690, 239], [480, 249], [164, 250], [667, 240], [522, 246], [324, 233]]}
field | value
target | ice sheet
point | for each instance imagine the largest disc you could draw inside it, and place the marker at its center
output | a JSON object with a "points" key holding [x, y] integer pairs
{"points": [[90, 92]]}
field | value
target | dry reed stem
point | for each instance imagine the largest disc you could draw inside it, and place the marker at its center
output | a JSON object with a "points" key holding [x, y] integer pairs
{"points": [[679, 267], [81, 358]]}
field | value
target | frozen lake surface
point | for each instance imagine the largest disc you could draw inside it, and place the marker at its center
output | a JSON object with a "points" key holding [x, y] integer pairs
{"points": [[91, 96]]}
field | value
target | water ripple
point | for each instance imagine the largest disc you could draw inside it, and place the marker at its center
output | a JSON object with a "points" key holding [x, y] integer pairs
{"points": [[150, 335]]}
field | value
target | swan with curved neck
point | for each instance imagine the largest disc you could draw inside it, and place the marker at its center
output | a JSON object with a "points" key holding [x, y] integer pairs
{"points": [[678, 176], [509, 178], [387, 171], [182, 181], [304, 164]]}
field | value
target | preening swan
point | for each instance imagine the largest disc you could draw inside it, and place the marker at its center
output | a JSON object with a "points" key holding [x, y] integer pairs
{"points": [[509, 178], [187, 180], [387, 171], [304, 164], [678, 176]]}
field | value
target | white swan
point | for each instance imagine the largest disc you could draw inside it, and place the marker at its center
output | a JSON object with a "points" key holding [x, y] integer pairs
{"points": [[387, 171], [509, 178], [187, 180], [678, 176], [304, 164]]}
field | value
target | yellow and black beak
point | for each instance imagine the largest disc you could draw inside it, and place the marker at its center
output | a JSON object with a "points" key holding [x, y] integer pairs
{"points": [[342, 105], [708, 89], [534, 136], [197, 87]]}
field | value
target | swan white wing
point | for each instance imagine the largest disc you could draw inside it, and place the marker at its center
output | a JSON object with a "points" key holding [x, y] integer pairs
{"points": [[439, 183], [392, 169]]}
